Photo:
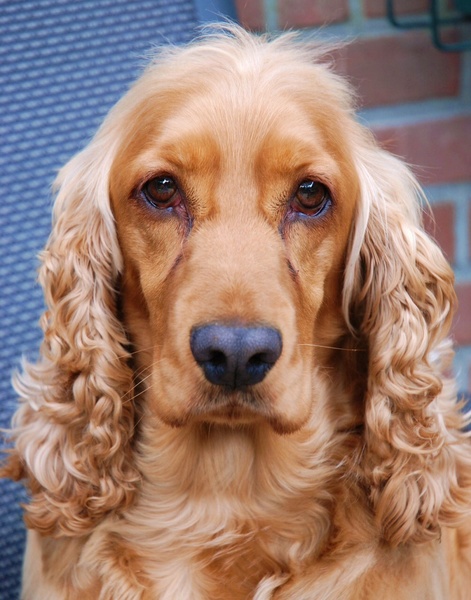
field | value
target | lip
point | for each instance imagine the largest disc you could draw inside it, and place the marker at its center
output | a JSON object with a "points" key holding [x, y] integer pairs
{"points": [[231, 415], [232, 408]]}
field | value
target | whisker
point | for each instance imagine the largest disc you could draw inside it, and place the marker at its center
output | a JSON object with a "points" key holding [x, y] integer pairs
{"points": [[334, 347], [141, 372], [138, 380], [134, 352], [138, 374], [142, 379], [141, 393], [137, 422], [133, 396]]}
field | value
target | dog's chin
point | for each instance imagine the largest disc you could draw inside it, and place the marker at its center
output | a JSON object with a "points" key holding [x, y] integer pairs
{"points": [[234, 409]]}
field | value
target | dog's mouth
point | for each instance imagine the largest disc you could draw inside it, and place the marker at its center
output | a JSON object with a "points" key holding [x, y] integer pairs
{"points": [[234, 409], [231, 415], [231, 407], [239, 409]]}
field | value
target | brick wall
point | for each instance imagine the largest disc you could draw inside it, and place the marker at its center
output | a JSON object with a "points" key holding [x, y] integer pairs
{"points": [[418, 102]]}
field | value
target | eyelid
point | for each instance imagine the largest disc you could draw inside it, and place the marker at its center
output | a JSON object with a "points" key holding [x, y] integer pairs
{"points": [[314, 178], [318, 178], [155, 174], [137, 191]]}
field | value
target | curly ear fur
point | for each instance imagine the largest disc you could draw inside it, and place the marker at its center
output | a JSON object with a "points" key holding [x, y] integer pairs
{"points": [[75, 450], [399, 297]]}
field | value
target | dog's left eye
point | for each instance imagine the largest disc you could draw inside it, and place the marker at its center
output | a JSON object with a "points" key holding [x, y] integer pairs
{"points": [[161, 192], [311, 197]]}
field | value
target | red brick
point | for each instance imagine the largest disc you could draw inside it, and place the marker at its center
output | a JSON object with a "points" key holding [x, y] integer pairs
{"points": [[302, 13], [439, 151], [462, 323], [439, 222], [250, 14], [469, 229], [375, 8], [404, 67]]}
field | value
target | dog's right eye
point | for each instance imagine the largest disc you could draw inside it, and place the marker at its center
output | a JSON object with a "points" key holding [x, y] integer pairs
{"points": [[161, 192], [311, 198]]}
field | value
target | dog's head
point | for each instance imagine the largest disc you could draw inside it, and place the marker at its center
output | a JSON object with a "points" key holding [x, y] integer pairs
{"points": [[236, 227], [234, 191]]}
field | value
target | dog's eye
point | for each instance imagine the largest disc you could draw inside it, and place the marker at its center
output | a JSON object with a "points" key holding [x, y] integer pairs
{"points": [[161, 192], [311, 197]]}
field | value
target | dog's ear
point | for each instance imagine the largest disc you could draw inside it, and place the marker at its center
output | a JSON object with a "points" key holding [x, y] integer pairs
{"points": [[74, 427], [399, 298]]}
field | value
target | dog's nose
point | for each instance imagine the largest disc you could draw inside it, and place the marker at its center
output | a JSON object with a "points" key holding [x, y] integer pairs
{"points": [[235, 356]]}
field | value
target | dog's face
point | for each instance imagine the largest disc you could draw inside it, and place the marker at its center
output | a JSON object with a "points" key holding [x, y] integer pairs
{"points": [[234, 197]]}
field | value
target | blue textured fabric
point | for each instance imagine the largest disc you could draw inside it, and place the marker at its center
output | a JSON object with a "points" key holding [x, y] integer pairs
{"points": [[63, 64]]}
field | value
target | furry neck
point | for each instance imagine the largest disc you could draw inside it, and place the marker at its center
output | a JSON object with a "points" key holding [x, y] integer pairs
{"points": [[221, 482], [248, 461]]}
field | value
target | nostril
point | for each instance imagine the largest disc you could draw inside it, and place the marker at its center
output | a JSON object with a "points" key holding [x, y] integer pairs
{"points": [[217, 358], [235, 356], [256, 360], [261, 360], [216, 365], [257, 367]]}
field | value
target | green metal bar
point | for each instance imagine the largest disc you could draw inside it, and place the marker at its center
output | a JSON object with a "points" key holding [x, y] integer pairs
{"points": [[434, 23]]}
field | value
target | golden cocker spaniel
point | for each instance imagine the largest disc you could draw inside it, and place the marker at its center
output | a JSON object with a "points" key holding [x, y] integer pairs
{"points": [[243, 389]]}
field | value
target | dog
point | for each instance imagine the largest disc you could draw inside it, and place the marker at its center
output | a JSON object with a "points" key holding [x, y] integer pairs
{"points": [[244, 387]]}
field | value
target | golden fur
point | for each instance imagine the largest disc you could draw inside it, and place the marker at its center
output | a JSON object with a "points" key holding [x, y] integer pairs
{"points": [[344, 474]]}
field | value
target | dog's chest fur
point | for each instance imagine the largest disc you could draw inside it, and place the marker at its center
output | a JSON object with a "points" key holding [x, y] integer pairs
{"points": [[235, 526]]}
